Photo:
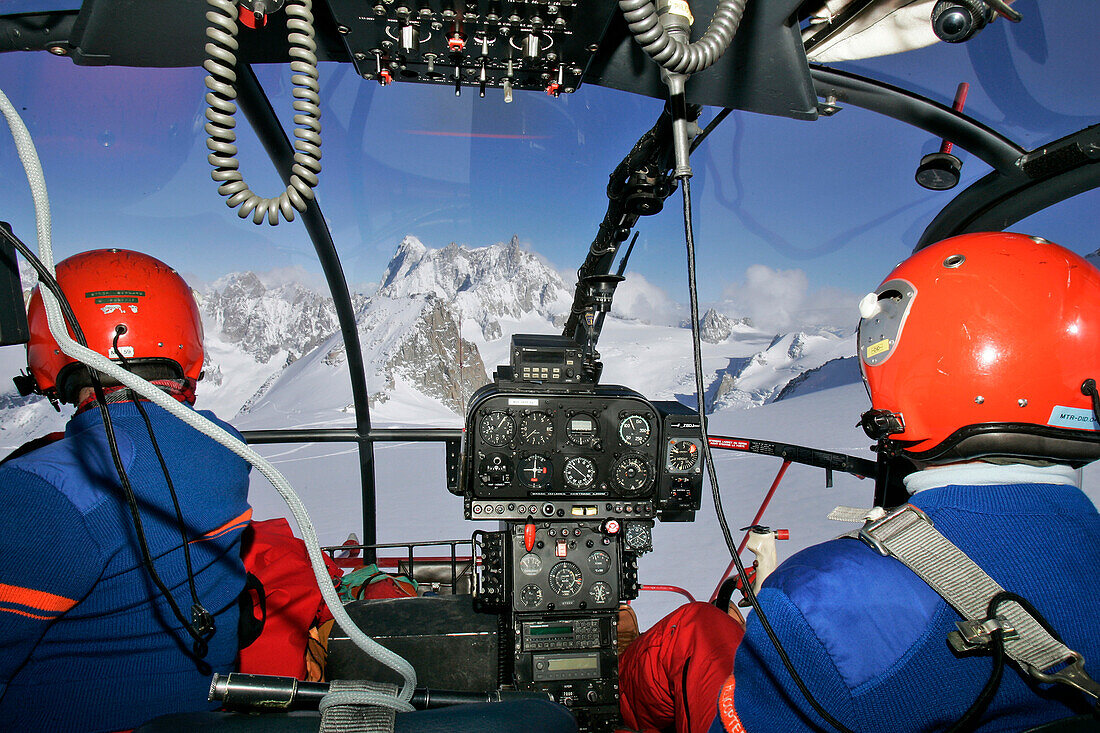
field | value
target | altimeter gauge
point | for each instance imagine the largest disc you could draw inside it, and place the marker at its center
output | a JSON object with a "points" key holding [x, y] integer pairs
{"points": [[683, 455], [497, 428], [536, 428], [580, 472]]}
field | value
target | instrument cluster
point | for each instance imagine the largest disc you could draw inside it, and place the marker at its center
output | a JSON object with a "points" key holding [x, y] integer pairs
{"points": [[561, 454]]}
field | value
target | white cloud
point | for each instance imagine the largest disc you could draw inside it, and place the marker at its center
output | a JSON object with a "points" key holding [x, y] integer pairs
{"points": [[779, 300], [637, 298], [293, 274]]}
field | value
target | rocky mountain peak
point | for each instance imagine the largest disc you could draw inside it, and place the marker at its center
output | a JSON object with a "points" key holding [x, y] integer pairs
{"points": [[483, 284], [264, 321]]}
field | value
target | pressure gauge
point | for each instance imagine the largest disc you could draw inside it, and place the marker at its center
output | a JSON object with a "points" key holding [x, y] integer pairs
{"points": [[530, 564], [634, 430], [497, 428], [530, 596], [536, 428], [601, 592], [600, 562]]}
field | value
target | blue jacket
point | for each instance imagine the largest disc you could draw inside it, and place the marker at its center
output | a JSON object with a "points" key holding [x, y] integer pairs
{"points": [[868, 637], [86, 641]]}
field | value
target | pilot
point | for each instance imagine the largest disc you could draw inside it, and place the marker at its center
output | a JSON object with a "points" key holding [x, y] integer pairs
{"points": [[119, 544], [980, 355]]}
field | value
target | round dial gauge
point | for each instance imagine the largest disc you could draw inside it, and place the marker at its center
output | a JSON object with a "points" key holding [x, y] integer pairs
{"points": [[600, 562], [638, 537], [582, 429], [497, 428], [495, 470], [536, 428], [632, 475], [531, 595], [580, 472], [530, 564], [600, 592], [566, 579], [535, 471], [634, 430], [683, 455]]}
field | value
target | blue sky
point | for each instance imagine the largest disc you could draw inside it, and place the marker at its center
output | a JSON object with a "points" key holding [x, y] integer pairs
{"points": [[124, 155]]}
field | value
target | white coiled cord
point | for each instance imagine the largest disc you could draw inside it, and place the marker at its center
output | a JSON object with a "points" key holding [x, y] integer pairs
{"points": [[28, 155], [221, 62], [674, 55]]}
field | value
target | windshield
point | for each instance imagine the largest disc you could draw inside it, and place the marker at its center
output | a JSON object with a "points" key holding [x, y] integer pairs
{"points": [[472, 215]]}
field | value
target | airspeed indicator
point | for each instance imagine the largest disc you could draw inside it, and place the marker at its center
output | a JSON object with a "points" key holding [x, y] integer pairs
{"points": [[634, 430]]}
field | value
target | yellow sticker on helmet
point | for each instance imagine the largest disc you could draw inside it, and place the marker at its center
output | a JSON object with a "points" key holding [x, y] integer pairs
{"points": [[879, 348]]}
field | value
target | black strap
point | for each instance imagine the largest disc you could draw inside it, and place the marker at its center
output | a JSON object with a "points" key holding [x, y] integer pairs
{"points": [[249, 627]]}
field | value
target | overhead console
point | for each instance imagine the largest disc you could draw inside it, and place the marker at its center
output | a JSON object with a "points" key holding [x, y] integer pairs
{"points": [[552, 46], [540, 45]]}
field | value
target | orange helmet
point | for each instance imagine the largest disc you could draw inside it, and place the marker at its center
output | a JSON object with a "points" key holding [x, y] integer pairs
{"points": [[984, 345], [156, 317]]}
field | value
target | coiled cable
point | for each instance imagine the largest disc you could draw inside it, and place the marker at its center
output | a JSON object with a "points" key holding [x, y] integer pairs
{"points": [[221, 62], [677, 56]]}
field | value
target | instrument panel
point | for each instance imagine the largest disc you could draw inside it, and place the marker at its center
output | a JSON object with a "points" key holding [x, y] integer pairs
{"points": [[567, 567], [578, 455]]}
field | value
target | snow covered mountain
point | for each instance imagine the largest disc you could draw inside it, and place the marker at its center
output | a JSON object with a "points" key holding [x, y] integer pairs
{"points": [[483, 285], [433, 332]]}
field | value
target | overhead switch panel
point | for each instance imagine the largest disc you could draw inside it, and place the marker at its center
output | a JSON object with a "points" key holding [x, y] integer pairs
{"points": [[539, 45]]}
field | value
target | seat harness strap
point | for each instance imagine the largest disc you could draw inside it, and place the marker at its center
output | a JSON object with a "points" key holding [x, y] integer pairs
{"points": [[906, 534], [343, 709]]}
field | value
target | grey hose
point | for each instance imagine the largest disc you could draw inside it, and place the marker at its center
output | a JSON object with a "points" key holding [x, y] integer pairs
{"points": [[33, 167], [676, 56], [221, 63]]}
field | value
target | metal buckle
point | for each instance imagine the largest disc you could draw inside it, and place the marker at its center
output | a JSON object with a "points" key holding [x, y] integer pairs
{"points": [[975, 634], [1073, 674], [876, 523]]}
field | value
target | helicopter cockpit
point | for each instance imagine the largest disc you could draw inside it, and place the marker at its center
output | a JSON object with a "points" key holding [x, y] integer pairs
{"points": [[397, 331]]}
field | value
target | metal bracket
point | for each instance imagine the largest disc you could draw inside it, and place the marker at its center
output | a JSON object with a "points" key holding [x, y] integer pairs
{"points": [[1073, 674], [973, 635], [878, 519]]}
